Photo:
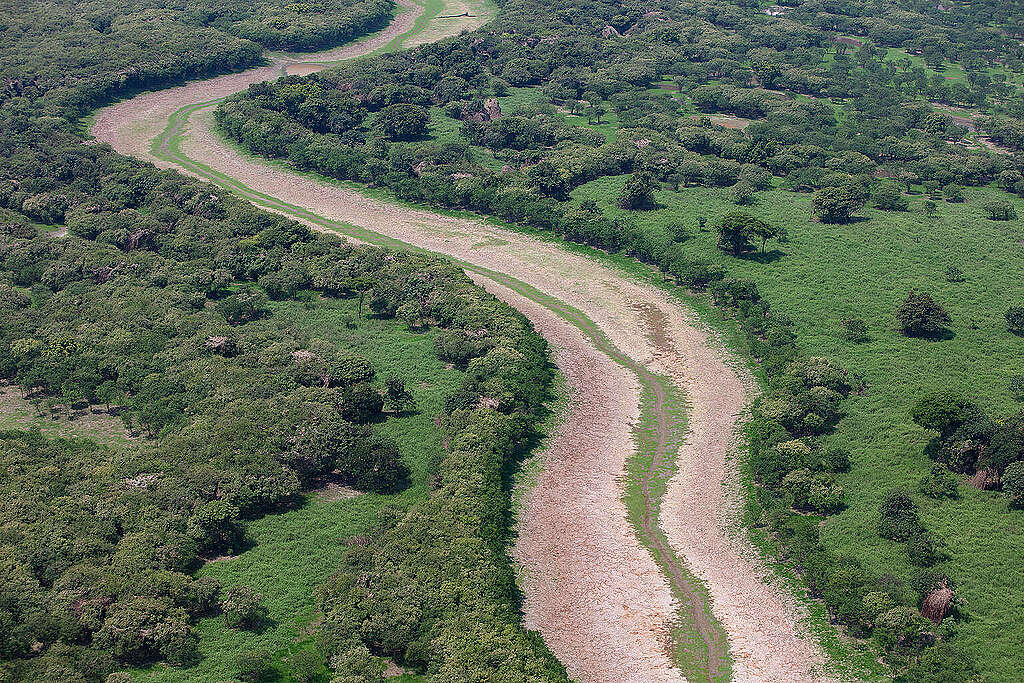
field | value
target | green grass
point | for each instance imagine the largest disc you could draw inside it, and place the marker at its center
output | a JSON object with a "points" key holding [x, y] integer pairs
{"points": [[863, 269], [294, 552], [689, 651]]}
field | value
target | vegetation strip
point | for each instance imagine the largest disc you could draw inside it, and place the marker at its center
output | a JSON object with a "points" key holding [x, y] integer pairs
{"points": [[705, 656]]}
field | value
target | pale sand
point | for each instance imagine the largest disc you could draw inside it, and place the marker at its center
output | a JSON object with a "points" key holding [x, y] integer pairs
{"points": [[597, 596]]}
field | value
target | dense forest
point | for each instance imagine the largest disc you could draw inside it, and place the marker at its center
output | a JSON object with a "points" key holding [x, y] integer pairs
{"points": [[144, 294], [584, 120]]}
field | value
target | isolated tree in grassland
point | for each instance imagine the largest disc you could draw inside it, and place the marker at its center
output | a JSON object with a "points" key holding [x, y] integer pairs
{"points": [[920, 316], [838, 204], [739, 231], [638, 192]]}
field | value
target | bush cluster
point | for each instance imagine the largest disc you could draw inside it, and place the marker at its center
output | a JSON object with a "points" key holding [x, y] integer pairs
{"points": [[970, 442]]}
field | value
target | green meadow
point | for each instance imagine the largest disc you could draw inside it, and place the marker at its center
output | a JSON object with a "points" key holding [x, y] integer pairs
{"points": [[824, 273]]}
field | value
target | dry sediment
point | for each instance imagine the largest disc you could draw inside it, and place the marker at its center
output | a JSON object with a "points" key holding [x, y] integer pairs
{"points": [[592, 590]]}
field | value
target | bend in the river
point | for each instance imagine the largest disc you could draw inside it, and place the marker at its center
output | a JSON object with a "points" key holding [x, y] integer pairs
{"points": [[606, 595]]}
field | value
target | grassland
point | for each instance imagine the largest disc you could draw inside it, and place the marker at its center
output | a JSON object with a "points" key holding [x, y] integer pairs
{"points": [[825, 273], [293, 553]]}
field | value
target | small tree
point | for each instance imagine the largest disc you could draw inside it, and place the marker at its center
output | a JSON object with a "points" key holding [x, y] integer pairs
{"points": [[1000, 210], [638, 192], [855, 330], [396, 397], [243, 608], [920, 316], [738, 230], [837, 204], [889, 197], [1015, 319]]}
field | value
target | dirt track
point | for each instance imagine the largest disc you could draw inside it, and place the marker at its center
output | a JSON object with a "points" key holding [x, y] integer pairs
{"points": [[592, 590]]}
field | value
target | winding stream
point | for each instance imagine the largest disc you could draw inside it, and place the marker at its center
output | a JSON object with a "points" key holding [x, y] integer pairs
{"points": [[630, 570]]}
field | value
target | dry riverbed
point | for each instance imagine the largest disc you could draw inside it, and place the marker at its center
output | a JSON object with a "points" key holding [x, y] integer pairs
{"points": [[591, 588]]}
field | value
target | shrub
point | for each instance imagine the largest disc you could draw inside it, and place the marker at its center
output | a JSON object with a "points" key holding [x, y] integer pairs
{"points": [[1015, 319], [696, 274], [940, 483], [1013, 483], [253, 666], [835, 460], [243, 307], [941, 411], [1016, 387], [360, 403], [954, 274], [953, 193], [899, 520], [924, 550], [889, 197], [897, 626], [813, 492], [306, 665], [855, 330], [944, 663], [920, 316], [374, 464], [396, 396], [638, 192], [1000, 210], [742, 193], [243, 608]]}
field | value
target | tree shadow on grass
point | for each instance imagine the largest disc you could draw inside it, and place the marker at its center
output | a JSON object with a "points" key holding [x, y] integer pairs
{"points": [[770, 256]]}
